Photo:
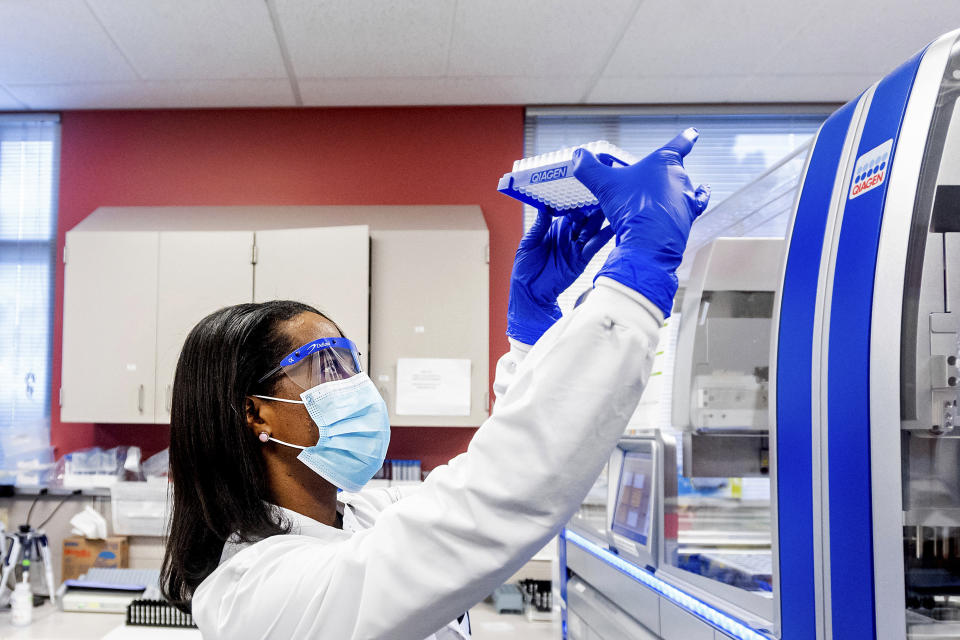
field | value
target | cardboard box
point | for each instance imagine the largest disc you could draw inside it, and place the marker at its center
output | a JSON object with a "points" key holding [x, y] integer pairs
{"points": [[80, 554]]}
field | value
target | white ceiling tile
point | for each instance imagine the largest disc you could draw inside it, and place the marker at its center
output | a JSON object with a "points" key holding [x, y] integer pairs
{"points": [[700, 37], [200, 39], [665, 89], [535, 37], [861, 36], [157, 94], [56, 41], [8, 102], [370, 52], [733, 37], [430, 91], [817, 87], [731, 88], [366, 38]]}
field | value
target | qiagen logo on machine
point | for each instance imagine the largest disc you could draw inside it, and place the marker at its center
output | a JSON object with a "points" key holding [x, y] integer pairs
{"points": [[871, 169]]}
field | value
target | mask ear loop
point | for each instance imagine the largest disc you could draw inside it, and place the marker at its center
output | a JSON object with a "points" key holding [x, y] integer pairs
{"points": [[286, 444], [265, 437], [278, 399]]}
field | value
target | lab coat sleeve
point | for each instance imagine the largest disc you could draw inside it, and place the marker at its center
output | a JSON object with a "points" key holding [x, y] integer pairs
{"points": [[507, 367], [439, 551]]}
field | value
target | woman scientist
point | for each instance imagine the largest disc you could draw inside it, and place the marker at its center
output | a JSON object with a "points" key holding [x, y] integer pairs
{"points": [[272, 414]]}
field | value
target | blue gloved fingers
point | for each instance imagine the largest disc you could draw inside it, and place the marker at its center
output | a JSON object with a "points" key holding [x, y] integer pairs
{"points": [[537, 231], [607, 159], [581, 230], [588, 224], [651, 206], [591, 172], [682, 143], [575, 221], [576, 215], [593, 223], [701, 198], [596, 243]]}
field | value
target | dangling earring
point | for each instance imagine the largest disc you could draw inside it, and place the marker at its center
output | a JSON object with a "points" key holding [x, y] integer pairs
{"points": [[264, 436]]}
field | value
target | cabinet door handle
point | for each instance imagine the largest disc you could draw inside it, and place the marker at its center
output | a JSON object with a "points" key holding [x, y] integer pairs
{"points": [[140, 399], [169, 397]]}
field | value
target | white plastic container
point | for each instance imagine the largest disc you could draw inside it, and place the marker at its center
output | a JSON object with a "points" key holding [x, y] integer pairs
{"points": [[21, 605], [140, 508]]}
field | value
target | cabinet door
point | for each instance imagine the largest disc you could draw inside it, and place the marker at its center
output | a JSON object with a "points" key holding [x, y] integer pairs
{"points": [[431, 300], [326, 267], [109, 326], [199, 272]]}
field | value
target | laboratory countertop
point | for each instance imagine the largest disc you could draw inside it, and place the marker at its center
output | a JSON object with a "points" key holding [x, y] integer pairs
{"points": [[487, 624], [49, 623], [11, 491]]}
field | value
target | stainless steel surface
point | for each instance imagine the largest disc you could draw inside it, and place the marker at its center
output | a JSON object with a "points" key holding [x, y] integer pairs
{"points": [[721, 371], [932, 481], [725, 455], [636, 600], [677, 624], [605, 620]]}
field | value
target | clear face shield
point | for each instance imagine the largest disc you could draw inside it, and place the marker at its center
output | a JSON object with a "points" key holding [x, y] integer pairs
{"points": [[317, 362]]}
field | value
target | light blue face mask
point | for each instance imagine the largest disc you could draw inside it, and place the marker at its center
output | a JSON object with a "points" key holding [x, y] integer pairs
{"points": [[354, 430]]}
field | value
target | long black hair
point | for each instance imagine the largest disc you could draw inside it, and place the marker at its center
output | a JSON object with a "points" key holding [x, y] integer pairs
{"points": [[219, 481]]}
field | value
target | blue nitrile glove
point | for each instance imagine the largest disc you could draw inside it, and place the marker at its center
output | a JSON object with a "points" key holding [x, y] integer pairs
{"points": [[552, 254], [651, 206]]}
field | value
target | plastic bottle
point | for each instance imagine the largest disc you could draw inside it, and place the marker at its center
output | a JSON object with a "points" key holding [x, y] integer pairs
{"points": [[21, 604]]}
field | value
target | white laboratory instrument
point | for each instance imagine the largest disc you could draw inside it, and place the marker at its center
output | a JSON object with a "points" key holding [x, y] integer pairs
{"points": [[636, 477], [723, 347]]}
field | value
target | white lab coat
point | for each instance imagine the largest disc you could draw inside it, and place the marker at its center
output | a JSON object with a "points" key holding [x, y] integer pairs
{"points": [[435, 553]]}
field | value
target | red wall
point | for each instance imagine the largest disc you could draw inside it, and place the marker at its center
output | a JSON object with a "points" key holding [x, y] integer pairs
{"points": [[291, 157]]}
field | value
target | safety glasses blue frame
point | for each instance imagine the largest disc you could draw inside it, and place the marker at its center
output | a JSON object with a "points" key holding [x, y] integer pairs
{"points": [[336, 345]]}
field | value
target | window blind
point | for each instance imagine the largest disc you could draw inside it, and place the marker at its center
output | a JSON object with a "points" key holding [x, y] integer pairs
{"points": [[29, 160], [732, 150]]}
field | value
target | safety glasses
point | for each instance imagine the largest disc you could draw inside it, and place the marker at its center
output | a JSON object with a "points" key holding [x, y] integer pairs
{"points": [[323, 360]]}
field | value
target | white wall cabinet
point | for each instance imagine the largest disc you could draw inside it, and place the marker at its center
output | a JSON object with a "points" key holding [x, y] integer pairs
{"points": [[401, 281], [110, 304], [436, 306], [199, 272], [133, 296]]}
